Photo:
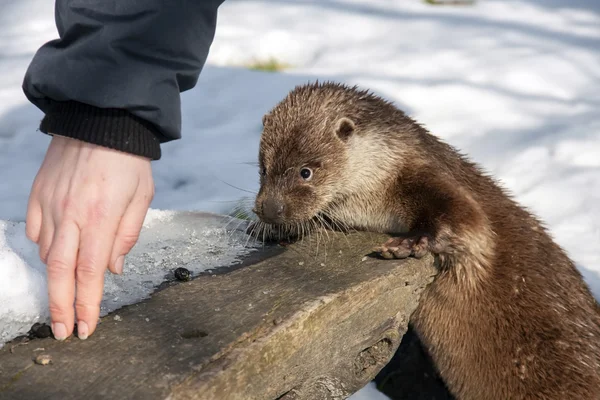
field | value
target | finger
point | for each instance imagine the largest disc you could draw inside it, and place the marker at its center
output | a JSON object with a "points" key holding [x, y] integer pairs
{"points": [[33, 222], [46, 236], [128, 233], [61, 279], [96, 242]]}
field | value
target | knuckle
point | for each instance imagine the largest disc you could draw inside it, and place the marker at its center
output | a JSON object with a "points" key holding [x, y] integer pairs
{"points": [[66, 207], [31, 233], [86, 308], [147, 188], [128, 240], [57, 311], [129, 232], [86, 270], [36, 186], [66, 203], [151, 193], [57, 268], [146, 197], [45, 195], [43, 253], [98, 211]]}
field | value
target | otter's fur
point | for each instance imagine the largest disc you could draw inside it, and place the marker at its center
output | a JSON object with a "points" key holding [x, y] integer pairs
{"points": [[508, 316]]}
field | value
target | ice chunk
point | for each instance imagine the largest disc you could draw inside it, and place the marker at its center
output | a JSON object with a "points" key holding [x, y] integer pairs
{"points": [[23, 296]]}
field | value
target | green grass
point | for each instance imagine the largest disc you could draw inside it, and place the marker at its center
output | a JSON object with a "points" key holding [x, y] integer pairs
{"points": [[270, 65]]}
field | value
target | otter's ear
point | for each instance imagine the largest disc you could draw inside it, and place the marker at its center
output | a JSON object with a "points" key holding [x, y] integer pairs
{"points": [[344, 128], [265, 119]]}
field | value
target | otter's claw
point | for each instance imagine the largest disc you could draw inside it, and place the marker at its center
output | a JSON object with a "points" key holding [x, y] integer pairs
{"points": [[403, 247]]}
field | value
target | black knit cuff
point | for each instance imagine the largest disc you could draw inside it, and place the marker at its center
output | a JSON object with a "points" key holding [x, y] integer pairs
{"points": [[109, 127]]}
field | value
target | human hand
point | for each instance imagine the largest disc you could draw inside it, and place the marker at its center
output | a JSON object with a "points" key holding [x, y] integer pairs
{"points": [[86, 209]]}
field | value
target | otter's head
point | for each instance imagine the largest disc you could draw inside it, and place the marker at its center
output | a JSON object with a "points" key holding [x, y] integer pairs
{"points": [[310, 149]]}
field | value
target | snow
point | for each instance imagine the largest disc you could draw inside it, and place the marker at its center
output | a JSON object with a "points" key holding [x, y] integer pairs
{"points": [[197, 241], [513, 83]]}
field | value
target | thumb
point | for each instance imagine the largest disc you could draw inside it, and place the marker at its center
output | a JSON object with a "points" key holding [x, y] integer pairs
{"points": [[33, 224]]}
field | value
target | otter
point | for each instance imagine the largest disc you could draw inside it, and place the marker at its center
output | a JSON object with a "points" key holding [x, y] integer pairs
{"points": [[508, 316]]}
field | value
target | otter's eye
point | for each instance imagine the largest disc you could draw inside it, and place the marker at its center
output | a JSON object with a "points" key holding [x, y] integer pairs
{"points": [[306, 174], [263, 171]]}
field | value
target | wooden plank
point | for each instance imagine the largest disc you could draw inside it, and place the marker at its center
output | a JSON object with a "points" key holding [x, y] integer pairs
{"points": [[298, 325]]}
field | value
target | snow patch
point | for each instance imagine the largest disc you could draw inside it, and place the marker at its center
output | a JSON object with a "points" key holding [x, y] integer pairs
{"points": [[197, 241]]}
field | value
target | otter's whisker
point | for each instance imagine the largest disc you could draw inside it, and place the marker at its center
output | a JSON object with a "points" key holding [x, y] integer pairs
{"points": [[306, 229], [317, 239], [238, 188], [323, 225], [263, 237], [344, 229], [251, 233], [233, 230], [301, 234], [261, 228]]}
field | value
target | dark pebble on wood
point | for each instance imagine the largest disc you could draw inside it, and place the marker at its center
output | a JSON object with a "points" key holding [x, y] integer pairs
{"points": [[183, 274], [40, 331], [193, 334]]}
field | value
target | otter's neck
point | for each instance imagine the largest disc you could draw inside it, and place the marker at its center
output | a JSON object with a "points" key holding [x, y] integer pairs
{"points": [[362, 199], [366, 212]]}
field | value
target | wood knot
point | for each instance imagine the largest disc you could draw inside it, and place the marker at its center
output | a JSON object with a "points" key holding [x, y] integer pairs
{"points": [[370, 359]]}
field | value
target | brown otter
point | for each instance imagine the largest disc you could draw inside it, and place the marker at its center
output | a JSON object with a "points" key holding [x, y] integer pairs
{"points": [[508, 316]]}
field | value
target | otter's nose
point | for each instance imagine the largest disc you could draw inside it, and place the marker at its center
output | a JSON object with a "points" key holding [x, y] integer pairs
{"points": [[272, 210]]}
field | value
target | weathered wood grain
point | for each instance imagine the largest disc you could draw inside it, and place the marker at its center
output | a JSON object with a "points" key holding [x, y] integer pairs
{"points": [[296, 325]]}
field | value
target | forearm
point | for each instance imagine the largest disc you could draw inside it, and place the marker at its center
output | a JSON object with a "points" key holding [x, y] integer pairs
{"points": [[115, 75], [453, 222]]}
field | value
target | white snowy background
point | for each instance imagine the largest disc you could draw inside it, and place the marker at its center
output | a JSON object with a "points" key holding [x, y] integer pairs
{"points": [[515, 84]]}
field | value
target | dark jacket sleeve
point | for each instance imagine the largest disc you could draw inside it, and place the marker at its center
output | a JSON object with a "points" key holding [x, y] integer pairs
{"points": [[115, 75]]}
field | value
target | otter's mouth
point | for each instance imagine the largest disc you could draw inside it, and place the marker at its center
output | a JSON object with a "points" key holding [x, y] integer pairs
{"points": [[291, 230]]}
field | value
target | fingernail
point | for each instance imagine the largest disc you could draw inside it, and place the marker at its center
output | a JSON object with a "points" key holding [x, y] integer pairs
{"points": [[82, 330], [59, 330], [119, 264]]}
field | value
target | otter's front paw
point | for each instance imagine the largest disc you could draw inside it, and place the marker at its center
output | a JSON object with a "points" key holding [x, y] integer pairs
{"points": [[403, 247]]}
